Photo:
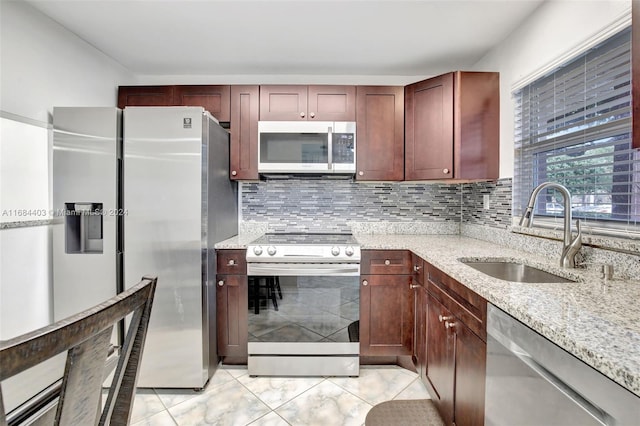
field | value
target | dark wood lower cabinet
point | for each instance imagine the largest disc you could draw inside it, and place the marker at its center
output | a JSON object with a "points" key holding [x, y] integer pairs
{"points": [[232, 315], [455, 355], [420, 332], [471, 356], [440, 358], [386, 315]]}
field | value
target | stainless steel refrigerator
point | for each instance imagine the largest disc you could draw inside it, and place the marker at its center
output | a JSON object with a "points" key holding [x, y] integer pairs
{"points": [[86, 252], [178, 202]]}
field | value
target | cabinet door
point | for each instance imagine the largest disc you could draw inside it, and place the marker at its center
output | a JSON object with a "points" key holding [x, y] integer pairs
{"points": [[379, 133], [283, 103], [440, 358], [386, 315], [471, 357], [429, 129], [215, 99], [232, 300], [420, 332], [145, 96], [332, 103], [244, 132]]}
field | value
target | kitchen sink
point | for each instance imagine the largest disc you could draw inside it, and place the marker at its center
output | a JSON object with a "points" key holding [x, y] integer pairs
{"points": [[513, 271]]}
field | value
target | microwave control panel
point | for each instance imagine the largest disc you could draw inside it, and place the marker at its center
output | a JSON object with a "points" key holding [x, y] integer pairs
{"points": [[343, 148]]}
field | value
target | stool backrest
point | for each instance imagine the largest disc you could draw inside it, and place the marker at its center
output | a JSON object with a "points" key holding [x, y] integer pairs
{"points": [[86, 337]]}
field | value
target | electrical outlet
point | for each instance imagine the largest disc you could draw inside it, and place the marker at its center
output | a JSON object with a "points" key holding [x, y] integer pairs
{"points": [[485, 201]]}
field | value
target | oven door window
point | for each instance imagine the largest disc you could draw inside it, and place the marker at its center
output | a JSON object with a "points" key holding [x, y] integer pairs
{"points": [[304, 309], [294, 148]]}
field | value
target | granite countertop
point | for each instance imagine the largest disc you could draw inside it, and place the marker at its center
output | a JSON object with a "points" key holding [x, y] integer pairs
{"points": [[596, 320]]}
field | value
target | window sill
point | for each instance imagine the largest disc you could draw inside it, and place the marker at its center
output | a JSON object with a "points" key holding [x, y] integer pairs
{"points": [[619, 241]]}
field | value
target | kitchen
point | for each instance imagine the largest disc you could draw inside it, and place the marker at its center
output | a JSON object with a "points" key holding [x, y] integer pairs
{"points": [[48, 80]]}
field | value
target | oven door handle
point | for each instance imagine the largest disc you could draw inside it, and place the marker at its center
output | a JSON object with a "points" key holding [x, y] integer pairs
{"points": [[303, 269]]}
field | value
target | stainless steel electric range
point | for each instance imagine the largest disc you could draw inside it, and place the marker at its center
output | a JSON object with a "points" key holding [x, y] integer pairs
{"points": [[305, 305]]}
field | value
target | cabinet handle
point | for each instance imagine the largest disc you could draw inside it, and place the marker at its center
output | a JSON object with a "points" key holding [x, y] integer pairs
{"points": [[312, 114], [365, 282], [233, 173], [360, 173], [387, 262], [449, 325], [444, 318], [220, 283], [416, 268], [412, 286], [445, 171], [302, 115], [231, 262]]}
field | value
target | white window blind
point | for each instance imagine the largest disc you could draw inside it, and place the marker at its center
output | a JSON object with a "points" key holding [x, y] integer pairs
{"points": [[573, 127]]}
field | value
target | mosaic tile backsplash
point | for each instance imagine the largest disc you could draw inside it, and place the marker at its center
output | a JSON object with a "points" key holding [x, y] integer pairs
{"points": [[311, 205], [498, 215]]}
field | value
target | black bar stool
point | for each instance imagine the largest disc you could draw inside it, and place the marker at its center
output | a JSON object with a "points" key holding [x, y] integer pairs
{"points": [[271, 285]]}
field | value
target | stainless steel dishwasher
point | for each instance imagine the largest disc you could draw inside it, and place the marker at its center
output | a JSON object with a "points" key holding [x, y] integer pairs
{"points": [[532, 381]]}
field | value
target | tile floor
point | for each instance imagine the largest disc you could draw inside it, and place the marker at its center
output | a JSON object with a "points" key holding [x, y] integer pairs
{"points": [[233, 398]]}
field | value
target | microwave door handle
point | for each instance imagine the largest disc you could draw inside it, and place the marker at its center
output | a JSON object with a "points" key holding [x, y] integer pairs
{"points": [[330, 148]]}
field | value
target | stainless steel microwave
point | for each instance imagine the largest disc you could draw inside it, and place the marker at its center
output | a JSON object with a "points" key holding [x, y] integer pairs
{"points": [[314, 147]]}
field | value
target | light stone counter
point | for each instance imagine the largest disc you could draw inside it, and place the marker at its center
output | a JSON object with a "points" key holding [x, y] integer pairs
{"points": [[240, 241], [597, 321]]}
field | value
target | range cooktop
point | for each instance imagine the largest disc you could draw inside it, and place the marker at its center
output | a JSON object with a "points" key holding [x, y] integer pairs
{"points": [[306, 239]]}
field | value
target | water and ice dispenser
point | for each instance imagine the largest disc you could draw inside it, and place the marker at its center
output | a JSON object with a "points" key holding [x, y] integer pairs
{"points": [[83, 228]]}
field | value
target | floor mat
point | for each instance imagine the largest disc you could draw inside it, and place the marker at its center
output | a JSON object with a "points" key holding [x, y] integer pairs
{"points": [[404, 413]]}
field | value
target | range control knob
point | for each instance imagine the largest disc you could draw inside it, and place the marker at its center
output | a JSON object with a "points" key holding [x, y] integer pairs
{"points": [[349, 251], [335, 250], [271, 250], [257, 250]]}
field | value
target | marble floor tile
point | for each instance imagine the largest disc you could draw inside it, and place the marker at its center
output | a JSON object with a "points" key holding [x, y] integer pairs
{"points": [[229, 404], [171, 397], [145, 404], [376, 385], [416, 390], [233, 398], [271, 419], [325, 404], [163, 418], [275, 391]]}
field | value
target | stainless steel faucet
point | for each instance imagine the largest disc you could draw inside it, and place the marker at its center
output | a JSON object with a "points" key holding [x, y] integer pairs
{"points": [[571, 245]]}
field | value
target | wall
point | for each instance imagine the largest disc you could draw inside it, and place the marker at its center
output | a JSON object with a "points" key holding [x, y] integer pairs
{"points": [[42, 65], [554, 32]]}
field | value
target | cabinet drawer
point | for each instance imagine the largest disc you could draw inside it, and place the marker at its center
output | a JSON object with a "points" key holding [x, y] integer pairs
{"points": [[384, 262], [463, 303], [232, 262]]}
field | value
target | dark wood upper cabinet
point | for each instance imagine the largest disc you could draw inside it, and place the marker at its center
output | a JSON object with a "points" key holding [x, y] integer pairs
{"points": [[332, 103], [635, 71], [429, 129], [283, 103], [215, 99], [319, 103], [244, 132], [452, 127], [380, 133], [145, 96]]}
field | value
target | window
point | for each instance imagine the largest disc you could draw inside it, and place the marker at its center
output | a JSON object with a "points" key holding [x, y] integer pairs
{"points": [[573, 127]]}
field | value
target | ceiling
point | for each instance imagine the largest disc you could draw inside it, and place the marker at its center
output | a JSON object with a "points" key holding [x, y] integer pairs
{"points": [[303, 37]]}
